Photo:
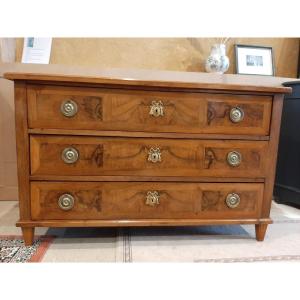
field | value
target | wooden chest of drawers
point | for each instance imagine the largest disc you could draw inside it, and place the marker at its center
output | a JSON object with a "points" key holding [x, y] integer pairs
{"points": [[145, 148]]}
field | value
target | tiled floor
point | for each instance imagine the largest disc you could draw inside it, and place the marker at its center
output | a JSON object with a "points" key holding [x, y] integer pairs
{"points": [[285, 210], [112, 245], [71, 244]]}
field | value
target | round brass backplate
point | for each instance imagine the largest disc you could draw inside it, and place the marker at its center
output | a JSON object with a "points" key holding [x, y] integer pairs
{"points": [[233, 200], [69, 108], [70, 155], [234, 158], [66, 201], [236, 114]]}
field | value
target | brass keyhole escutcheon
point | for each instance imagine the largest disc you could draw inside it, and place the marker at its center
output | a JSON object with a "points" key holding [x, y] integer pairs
{"points": [[156, 109], [152, 198], [154, 155]]}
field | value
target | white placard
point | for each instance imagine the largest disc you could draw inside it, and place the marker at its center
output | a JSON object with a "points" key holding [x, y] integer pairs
{"points": [[36, 50]]}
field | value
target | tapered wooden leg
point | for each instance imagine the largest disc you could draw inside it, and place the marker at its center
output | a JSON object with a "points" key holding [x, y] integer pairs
{"points": [[260, 230], [28, 235]]}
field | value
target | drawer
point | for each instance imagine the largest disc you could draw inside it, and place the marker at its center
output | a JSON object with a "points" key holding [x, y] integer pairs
{"points": [[63, 155], [130, 200], [147, 111]]}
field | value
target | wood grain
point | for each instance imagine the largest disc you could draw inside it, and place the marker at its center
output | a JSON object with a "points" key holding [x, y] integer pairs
{"points": [[146, 78], [23, 159], [114, 136], [271, 159], [142, 222], [28, 235], [116, 178], [141, 134], [116, 156], [109, 109], [128, 200], [260, 231]]}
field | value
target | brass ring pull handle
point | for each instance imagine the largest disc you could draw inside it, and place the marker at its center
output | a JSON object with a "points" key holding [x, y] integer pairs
{"points": [[70, 155], [234, 158], [66, 201], [152, 198], [154, 155], [233, 200], [156, 109], [69, 108], [236, 114]]}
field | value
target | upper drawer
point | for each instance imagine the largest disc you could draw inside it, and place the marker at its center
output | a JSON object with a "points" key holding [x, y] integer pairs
{"points": [[112, 109]]}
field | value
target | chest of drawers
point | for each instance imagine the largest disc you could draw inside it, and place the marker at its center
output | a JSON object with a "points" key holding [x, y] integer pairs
{"points": [[145, 148]]}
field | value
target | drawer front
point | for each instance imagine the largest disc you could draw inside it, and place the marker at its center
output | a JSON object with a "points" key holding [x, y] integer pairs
{"points": [[129, 200], [112, 109], [62, 155]]}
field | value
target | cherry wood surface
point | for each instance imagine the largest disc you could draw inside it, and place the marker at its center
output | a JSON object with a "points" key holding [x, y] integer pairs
{"points": [[128, 200], [168, 135], [113, 133], [121, 156], [110, 109], [23, 155], [271, 159], [145, 78], [123, 178], [260, 231], [28, 235], [141, 222]]}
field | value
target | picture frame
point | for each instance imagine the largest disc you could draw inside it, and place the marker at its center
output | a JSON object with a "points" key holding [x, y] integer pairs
{"points": [[254, 60]]}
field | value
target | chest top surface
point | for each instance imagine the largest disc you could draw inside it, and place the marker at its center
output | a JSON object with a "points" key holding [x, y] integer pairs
{"points": [[144, 78]]}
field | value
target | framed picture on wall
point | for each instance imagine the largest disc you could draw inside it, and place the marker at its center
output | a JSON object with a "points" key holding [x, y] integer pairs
{"points": [[254, 60]]}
